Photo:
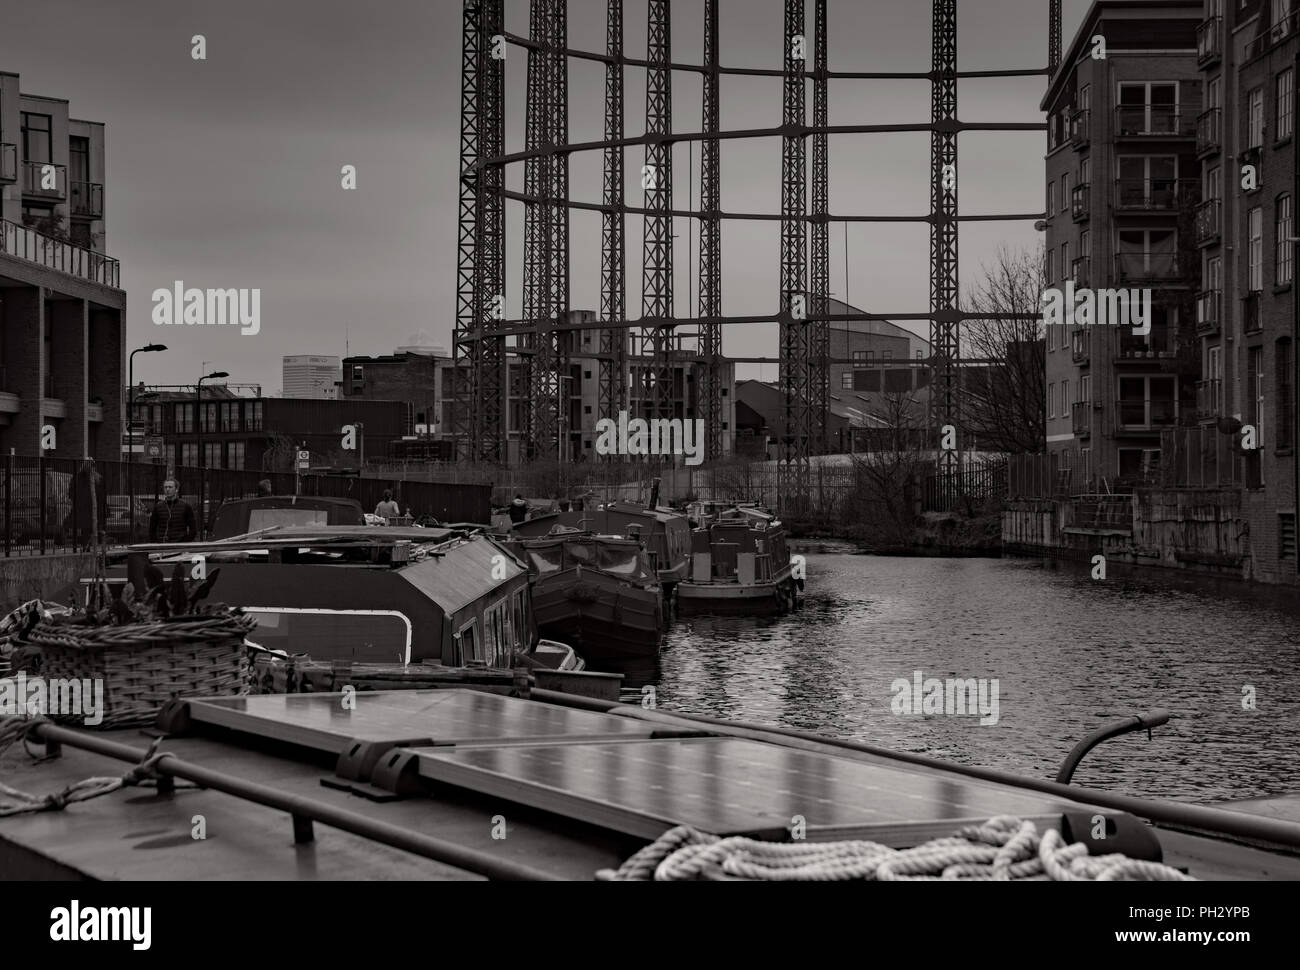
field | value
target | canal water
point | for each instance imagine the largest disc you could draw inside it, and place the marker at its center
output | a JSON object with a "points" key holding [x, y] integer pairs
{"points": [[1068, 655]]}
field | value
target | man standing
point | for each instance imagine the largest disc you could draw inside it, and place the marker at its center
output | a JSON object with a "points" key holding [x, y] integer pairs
{"points": [[173, 518]]}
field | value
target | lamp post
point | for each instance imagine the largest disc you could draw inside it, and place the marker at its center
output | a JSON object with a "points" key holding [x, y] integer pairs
{"points": [[130, 426], [198, 430]]}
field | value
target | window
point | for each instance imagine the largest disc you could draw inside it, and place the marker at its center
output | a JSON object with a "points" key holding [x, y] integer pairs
{"points": [[1148, 107], [235, 453], [1255, 118], [1281, 18], [252, 415], [1255, 404], [1085, 97], [1067, 271], [1284, 98], [1085, 170], [1147, 254], [37, 144], [1214, 182], [860, 358], [887, 356], [1065, 192], [1214, 273], [212, 454], [846, 381], [1051, 132], [1047, 268], [1051, 198], [1214, 93], [1065, 399], [79, 159], [1085, 243], [1147, 402], [1085, 389], [1284, 249], [185, 419], [190, 455], [1255, 249], [1051, 400]]}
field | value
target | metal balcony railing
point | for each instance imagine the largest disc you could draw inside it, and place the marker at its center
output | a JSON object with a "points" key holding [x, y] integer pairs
{"points": [[25, 243], [1146, 415], [37, 177], [1209, 400], [1154, 195], [1157, 343], [1080, 122], [1208, 304], [1209, 41], [1080, 202], [8, 163], [1146, 266], [1080, 348], [1209, 131], [1250, 318], [1146, 120], [87, 199], [1081, 271], [1273, 34], [1209, 221], [1080, 416]]}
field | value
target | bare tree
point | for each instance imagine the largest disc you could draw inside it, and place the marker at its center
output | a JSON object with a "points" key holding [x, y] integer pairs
{"points": [[883, 497], [1004, 401]]}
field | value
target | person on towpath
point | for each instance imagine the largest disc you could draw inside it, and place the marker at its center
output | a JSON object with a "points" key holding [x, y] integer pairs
{"points": [[173, 518]]}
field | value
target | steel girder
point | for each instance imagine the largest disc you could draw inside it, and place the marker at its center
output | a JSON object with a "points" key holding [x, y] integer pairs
{"points": [[657, 181], [793, 470], [612, 384], [465, 345], [820, 351], [945, 390], [1054, 38], [710, 404], [490, 249]]}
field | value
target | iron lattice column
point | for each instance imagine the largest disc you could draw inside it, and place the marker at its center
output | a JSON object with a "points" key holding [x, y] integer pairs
{"points": [[1054, 37], [945, 389], [657, 181], [710, 388], [612, 386], [466, 347], [559, 339], [793, 469], [489, 380], [821, 248], [536, 294]]}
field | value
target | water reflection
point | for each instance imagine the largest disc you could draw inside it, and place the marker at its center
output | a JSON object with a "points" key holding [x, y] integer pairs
{"points": [[1068, 655]]}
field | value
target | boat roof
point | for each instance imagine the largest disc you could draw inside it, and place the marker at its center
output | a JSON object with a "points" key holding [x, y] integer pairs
{"points": [[305, 535], [463, 572]]}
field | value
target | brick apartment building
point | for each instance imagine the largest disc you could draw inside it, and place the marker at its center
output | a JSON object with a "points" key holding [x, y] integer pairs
{"points": [[62, 311], [1171, 165]]}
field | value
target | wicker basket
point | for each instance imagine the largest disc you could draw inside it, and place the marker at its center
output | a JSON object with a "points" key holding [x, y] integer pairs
{"points": [[143, 666]]}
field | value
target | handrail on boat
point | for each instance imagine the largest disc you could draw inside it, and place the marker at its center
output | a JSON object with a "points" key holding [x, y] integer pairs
{"points": [[301, 808], [1135, 722]]}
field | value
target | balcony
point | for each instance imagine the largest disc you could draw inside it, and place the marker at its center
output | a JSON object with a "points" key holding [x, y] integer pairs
{"points": [[1081, 271], [1209, 131], [1275, 34], [87, 199], [1250, 318], [1208, 303], [1209, 221], [1145, 415], [1144, 349], [35, 179], [1080, 416], [1147, 267], [1154, 195], [24, 243], [1209, 400], [1209, 41], [1080, 349], [8, 163], [1153, 121], [1080, 122], [1079, 203]]}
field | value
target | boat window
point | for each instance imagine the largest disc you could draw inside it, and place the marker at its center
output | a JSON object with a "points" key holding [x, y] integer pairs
{"points": [[470, 646], [364, 636], [549, 559], [623, 561]]}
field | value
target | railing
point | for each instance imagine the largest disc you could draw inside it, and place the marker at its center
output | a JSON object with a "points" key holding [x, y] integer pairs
{"points": [[1081, 271], [1209, 41], [1250, 319], [1154, 195], [1208, 303], [946, 491], [25, 243], [1209, 400], [1079, 346], [1081, 417], [1079, 202], [1145, 414], [8, 163], [1153, 344], [1274, 34], [87, 199], [1209, 219], [34, 178], [1209, 130], [1146, 266], [1153, 119], [1202, 457], [1079, 125]]}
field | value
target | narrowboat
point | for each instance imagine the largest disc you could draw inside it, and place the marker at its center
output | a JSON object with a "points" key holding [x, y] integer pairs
{"points": [[597, 593], [739, 562]]}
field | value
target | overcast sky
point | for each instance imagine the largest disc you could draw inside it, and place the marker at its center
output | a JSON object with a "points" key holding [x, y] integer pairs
{"points": [[226, 172]]}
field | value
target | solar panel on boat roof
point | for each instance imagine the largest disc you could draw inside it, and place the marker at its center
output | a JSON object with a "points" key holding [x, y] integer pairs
{"points": [[452, 716], [731, 786]]}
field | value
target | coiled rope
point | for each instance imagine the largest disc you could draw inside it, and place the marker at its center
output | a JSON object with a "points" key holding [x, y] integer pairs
{"points": [[1003, 848]]}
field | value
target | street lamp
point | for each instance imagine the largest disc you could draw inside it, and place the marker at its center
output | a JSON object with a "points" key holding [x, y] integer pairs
{"points": [[130, 425], [198, 430]]}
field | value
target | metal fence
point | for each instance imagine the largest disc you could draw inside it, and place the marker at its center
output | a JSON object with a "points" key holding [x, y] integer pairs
{"points": [[972, 485], [45, 503]]}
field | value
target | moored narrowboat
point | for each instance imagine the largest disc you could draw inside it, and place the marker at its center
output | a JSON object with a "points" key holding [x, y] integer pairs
{"points": [[739, 562]]}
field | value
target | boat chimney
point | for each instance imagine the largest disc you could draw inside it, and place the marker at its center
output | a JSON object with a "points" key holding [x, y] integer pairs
{"points": [[654, 494]]}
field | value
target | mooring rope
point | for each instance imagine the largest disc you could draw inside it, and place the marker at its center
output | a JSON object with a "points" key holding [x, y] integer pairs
{"points": [[1003, 848]]}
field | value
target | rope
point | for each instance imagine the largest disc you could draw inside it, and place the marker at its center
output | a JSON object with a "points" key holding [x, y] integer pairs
{"points": [[22, 803], [1004, 848]]}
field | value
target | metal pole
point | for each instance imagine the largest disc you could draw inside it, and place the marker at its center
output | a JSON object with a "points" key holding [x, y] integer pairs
{"points": [[130, 444]]}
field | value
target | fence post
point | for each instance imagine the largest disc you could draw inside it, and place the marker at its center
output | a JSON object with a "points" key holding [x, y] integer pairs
{"points": [[9, 478], [44, 511]]}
